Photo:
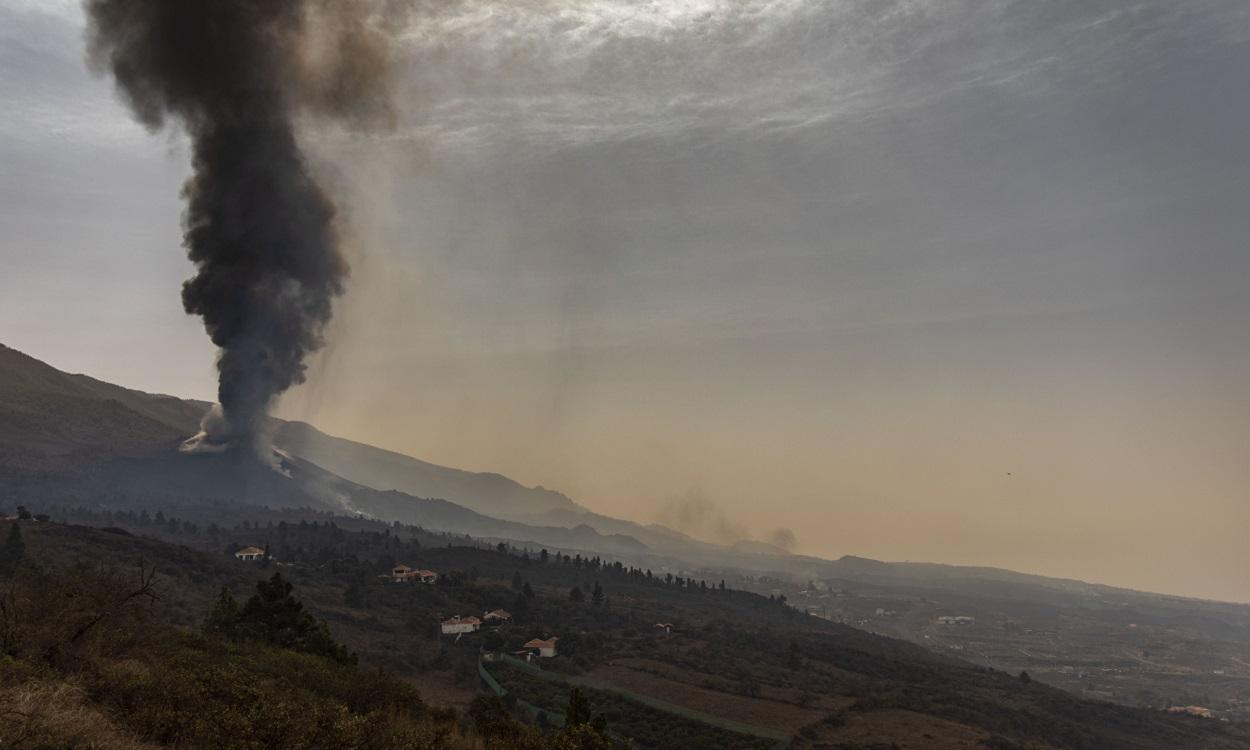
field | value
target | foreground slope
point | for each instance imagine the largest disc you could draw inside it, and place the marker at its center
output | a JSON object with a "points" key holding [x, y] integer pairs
{"points": [[730, 654]]}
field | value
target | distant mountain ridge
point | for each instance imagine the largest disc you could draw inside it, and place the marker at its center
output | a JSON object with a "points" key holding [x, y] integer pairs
{"points": [[74, 437]]}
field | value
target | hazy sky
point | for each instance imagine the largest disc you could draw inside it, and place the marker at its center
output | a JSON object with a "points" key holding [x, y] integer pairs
{"points": [[919, 279]]}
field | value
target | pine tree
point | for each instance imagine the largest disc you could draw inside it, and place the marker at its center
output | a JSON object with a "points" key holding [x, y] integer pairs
{"points": [[578, 711], [272, 614], [516, 581], [596, 597], [576, 595], [224, 615]]}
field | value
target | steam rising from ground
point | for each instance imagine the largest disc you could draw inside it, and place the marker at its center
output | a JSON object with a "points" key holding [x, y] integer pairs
{"points": [[263, 235]]}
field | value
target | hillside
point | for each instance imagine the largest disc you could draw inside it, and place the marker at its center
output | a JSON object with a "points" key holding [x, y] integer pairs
{"points": [[51, 420], [734, 655], [71, 440], [492, 494]]}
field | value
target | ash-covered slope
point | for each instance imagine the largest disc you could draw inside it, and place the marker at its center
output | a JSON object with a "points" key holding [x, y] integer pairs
{"points": [[80, 440], [489, 493], [52, 421], [82, 437]]}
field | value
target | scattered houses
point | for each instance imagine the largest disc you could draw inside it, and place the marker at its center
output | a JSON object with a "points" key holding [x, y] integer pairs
{"points": [[458, 625], [956, 620], [250, 553], [404, 574], [546, 649]]}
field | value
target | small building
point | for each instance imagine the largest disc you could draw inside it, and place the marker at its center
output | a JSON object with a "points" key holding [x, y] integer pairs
{"points": [[546, 648], [250, 553], [1202, 711], [404, 574], [496, 617], [664, 627], [528, 654], [459, 625], [956, 620]]}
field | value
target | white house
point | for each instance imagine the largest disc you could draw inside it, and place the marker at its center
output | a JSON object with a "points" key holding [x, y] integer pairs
{"points": [[546, 649], [956, 620], [664, 627], [496, 616], [403, 574], [458, 625], [250, 553]]}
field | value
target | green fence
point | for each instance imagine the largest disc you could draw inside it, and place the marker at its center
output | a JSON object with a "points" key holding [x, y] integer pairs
{"points": [[782, 739], [529, 709]]}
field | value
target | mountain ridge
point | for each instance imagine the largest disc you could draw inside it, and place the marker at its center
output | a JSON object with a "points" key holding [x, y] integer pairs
{"points": [[84, 430]]}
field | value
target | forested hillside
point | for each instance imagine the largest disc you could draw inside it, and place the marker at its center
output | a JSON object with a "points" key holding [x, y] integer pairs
{"points": [[730, 654]]}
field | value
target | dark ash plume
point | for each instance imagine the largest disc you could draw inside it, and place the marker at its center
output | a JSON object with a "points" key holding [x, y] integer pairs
{"points": [[236, 74]]}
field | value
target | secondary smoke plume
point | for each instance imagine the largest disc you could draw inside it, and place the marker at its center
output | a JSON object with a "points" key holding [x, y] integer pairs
{"points": [[784, 538], [263, 235]]}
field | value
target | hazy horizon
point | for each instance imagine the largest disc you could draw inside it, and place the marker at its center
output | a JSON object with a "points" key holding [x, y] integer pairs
{"points": [[947, 282]]}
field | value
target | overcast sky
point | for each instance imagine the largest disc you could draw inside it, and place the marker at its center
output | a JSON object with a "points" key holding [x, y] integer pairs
{"points": [[918, 279]]}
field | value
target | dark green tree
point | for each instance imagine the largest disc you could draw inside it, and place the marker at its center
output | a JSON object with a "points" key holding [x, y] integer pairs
{"points": [[578, 711], [224, 615], [517, 583], [600, 724], [527, 591], [576, 595], [274, 615], [596, 597], [491, 719], [12, 552]]}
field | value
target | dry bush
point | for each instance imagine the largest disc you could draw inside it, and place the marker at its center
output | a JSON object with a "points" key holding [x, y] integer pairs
{"points": [[43, 712]]}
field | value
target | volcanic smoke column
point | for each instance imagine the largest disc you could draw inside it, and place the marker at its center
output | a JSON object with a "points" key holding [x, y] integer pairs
{"points": [[262, 234]]}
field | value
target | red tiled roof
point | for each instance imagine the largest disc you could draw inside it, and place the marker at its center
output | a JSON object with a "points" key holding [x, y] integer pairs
{"points": [[462, 621]]}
